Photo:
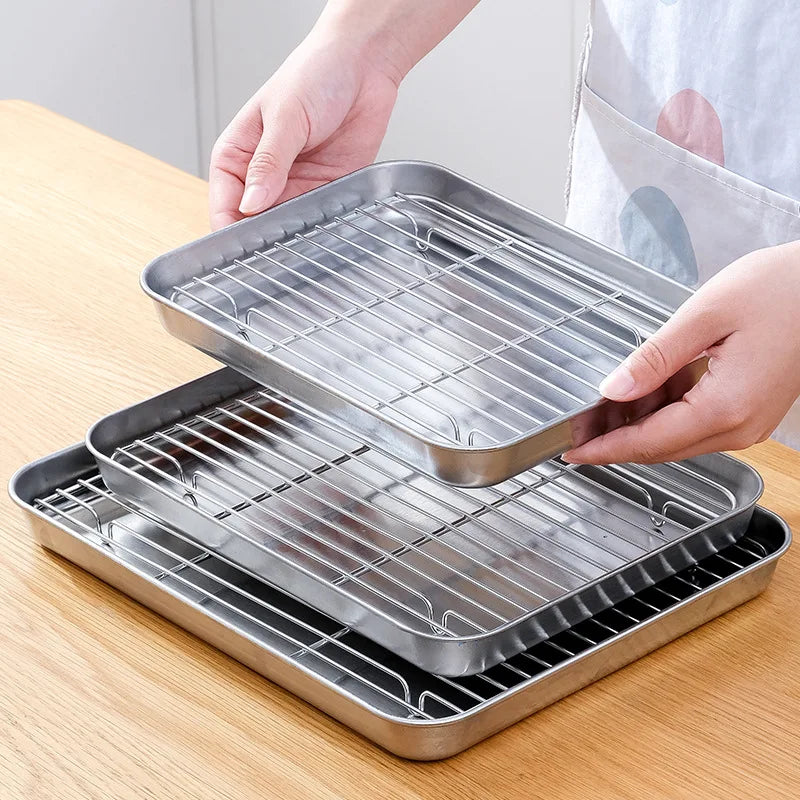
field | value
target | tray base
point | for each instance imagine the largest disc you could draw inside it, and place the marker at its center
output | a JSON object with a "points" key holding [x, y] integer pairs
{"points": [[407, 711]]}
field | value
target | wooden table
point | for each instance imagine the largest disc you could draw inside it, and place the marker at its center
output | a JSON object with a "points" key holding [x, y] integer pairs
{"points": [[100, 698]]}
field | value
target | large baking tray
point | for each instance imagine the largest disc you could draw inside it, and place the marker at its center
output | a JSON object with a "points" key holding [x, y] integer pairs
{"points": [[454, 580], [366, 687], [461, 331]]}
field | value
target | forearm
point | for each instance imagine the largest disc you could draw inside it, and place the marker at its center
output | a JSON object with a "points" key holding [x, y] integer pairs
{"points": [[393, 34]]}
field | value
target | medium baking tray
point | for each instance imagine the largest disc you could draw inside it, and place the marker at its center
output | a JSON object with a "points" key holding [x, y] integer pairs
{"points": [[454, 580], [457, 329], [364, 686]]}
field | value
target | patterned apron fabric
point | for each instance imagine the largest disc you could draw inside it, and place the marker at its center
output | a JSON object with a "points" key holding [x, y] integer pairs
{"points": [[682, 153]]}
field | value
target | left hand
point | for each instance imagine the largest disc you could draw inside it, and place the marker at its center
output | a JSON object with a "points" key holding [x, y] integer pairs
{"points": [[746, 320]]}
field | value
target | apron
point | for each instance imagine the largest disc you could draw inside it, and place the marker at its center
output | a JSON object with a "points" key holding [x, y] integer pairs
{"points": [[684, 151]]}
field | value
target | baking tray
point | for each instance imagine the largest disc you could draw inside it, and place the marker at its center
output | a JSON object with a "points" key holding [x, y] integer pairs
{"points": [[454, 580], [370, 689], [462, 332]]}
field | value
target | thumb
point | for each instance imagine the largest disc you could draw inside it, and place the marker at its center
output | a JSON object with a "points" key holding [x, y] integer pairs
{"points": [[683, 338], [285, 133]]}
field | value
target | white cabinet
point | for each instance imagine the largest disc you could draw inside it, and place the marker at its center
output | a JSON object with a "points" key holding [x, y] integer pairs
{"points": [[123, 68]]}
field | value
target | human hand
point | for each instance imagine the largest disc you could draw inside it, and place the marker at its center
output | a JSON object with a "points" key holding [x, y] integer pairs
{"points": [[325, 111], [322, 115], [746, 320]]}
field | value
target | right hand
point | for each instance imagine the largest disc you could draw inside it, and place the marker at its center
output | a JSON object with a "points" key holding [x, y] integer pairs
{"points": [[322, 115]]}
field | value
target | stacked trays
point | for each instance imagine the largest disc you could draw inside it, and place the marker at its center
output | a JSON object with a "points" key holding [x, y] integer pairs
{"points": [[369, 509], [454, 580], [410, 712]]}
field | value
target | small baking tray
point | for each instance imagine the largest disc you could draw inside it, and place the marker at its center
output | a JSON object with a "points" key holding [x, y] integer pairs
{"points": [[454, 580], [457, 329], [409, 712]]}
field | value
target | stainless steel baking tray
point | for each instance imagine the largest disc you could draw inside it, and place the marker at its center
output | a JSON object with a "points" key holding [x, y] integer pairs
{"points": [[405, 710], [454, 580], [463, 332]]}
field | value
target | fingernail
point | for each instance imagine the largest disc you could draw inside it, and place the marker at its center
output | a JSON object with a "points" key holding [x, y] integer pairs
{"points": [[575, 456], [254, 199], [619, 384]]}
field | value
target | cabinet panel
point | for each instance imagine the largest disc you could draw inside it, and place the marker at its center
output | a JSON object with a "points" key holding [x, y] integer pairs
{"points": [[122, 68]]}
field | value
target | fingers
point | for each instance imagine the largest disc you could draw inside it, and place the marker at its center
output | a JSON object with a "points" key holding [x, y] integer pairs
{"points": [[285, 133], [251, 160], [696, 326], [651, 440], [729, 440], [229, 160], [711, 444], [715, 415], [224, 195]]}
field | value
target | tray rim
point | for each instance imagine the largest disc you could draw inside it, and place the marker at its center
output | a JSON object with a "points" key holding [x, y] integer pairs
{"points": [[455, 719], [105, 461], [431, 445]]}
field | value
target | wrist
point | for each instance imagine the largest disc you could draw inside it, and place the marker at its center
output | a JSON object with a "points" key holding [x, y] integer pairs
{"points": [[364, 37], [391, 35]]}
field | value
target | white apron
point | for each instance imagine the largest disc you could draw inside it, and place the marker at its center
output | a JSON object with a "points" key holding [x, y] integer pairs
{"points": [[686, 144]]}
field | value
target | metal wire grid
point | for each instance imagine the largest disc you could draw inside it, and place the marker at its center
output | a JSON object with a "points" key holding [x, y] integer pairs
{"points": [[434, 558], [360, 667], [445, 322]]}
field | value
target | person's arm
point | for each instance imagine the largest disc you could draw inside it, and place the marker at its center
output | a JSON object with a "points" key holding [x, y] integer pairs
{"points": [[324, 112], [747, 321]]}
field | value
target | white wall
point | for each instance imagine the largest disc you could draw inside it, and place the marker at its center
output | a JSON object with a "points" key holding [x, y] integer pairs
{"points": [[124, 68], [493, 101]]}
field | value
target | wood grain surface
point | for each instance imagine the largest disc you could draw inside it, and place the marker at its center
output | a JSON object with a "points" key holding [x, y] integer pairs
{"points": [[100, 698]]}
